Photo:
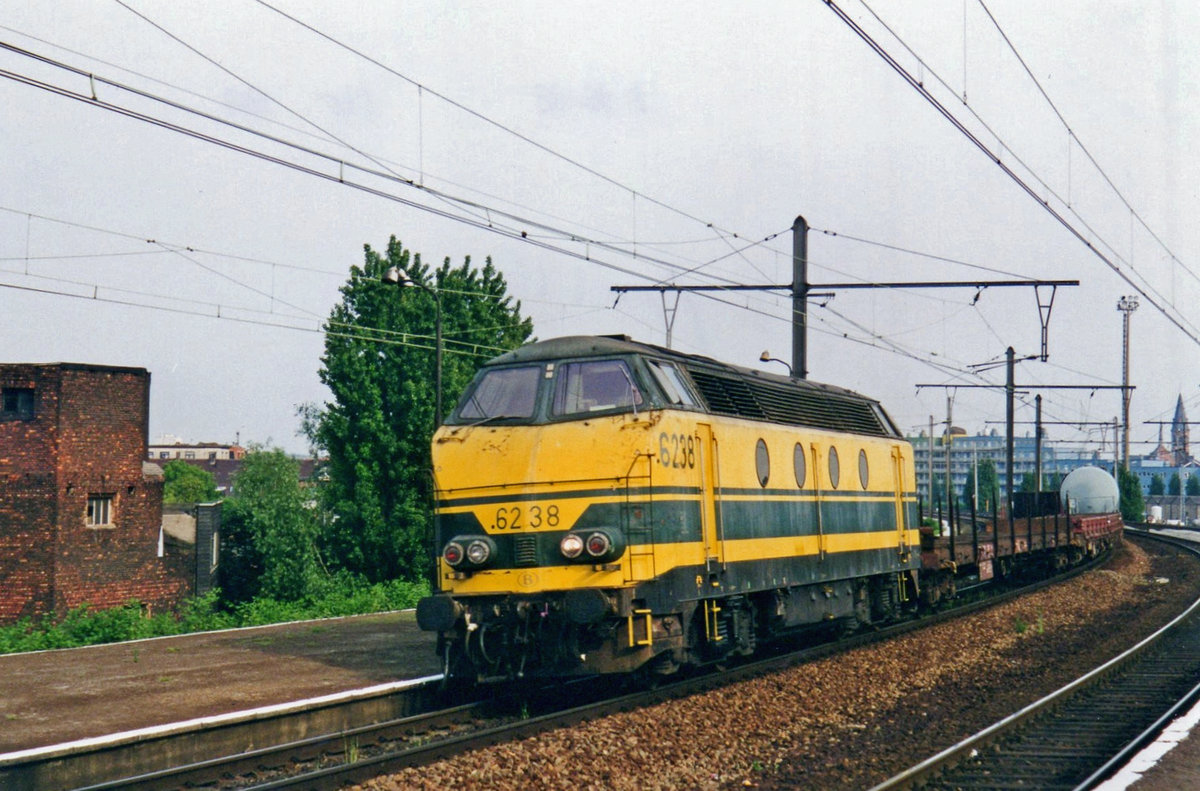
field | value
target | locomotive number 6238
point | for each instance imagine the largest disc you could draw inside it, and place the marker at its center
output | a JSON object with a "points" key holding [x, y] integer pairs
{"points": [[517, 517], [677, 451]]}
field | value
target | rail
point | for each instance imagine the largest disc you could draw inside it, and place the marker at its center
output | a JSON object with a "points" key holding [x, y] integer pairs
{"points": [[975, 757]]}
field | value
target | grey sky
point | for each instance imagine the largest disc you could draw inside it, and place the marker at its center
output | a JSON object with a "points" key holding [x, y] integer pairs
{"points": [[705, 120]]}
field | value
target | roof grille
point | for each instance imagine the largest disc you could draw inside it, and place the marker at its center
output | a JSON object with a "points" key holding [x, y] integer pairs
{"points": [[796, 405], [726, 395]]}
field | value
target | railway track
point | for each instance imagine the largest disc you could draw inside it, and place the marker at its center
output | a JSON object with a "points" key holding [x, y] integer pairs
{"points": [[1081, 734], [393, 756], [290, 758]]}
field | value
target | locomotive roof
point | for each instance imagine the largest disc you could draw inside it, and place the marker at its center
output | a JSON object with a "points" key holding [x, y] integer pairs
{"points": [[731, 389]]}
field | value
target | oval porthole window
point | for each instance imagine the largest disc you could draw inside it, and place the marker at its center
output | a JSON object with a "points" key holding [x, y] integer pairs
{"points": [[863, 472], [762, 463], [835, 471], [798, 464]]}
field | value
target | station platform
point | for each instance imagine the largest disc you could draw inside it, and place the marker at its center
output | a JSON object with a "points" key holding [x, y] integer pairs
{"points": [[52, 697]]}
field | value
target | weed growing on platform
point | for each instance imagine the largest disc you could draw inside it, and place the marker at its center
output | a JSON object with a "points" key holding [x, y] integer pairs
{"points": [[87, 626]]}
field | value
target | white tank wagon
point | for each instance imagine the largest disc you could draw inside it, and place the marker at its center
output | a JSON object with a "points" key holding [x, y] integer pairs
{"points": [[1090, 490]]}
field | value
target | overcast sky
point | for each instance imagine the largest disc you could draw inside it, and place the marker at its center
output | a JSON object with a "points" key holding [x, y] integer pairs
{"points": [[679, 140]]}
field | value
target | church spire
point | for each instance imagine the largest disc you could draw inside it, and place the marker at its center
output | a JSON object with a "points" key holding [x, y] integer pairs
{"points": [[1179, 435]]}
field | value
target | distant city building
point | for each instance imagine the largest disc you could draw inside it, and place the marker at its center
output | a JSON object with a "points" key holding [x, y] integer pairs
{"points": [[965, 452], [224, 470], [167, 448]]}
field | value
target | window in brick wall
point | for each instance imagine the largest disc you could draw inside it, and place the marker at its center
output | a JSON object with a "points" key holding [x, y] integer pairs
{"points": [[16, 403], [100, 510]]}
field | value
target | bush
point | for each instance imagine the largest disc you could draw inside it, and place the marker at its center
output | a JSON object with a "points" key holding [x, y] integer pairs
{"points": [[341, 595]]}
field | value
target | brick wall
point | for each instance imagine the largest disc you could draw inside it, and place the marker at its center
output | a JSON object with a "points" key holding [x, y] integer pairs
{"points": [[28, 495], [84, 443]]}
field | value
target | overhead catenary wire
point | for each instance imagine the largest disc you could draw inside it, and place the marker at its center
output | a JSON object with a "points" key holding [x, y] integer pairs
{"points": [[381, 193], [594, 260], [422, 89], [1143, 288], [491, 226], [1071, 133], [518, 229]]}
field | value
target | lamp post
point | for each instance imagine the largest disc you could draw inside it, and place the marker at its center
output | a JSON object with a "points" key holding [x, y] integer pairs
{"points": [[398, 277], [767, 358]]}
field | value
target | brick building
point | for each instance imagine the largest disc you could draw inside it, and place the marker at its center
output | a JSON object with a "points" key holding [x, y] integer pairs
{"points": [[80, 507]]}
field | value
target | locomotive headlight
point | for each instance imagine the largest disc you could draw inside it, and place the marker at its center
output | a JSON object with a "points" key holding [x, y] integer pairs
{"points": [[598, 544], [453, 554], [571, 545], [478, 552]]}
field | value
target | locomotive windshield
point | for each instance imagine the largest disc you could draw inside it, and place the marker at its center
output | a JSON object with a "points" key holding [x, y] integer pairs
{"points": [[503, 393], [594, 386], [553, 391]]}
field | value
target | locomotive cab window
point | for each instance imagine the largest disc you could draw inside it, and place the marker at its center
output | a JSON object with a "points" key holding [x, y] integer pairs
{"points": [[594, 386], [503, 393], [672, 383]]}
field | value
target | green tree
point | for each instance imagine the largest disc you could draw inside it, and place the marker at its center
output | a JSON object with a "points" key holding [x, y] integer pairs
{"points": [[1158, 486], [1028, 482], [1175, 486], [987, 486], [379, 366], [269, 531], [186, 483], [1133, 504], [1193, 485]]}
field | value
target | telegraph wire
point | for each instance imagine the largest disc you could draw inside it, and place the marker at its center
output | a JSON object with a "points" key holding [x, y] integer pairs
{"points": [[511, 233], [514, 232], [330, 135], [487, 225], [308, 133], [480, 116], [909, 251], [375, 334]]}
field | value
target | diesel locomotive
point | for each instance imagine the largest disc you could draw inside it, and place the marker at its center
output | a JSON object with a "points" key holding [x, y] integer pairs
{"points": [[611, 507], [607, 506]]}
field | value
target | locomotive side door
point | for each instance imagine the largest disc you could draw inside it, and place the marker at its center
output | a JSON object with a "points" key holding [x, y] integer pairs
{"points": [[710, 514], [898, 487]]}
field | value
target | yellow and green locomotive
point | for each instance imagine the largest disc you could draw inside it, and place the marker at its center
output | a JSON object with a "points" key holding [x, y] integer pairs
{"points": [[607, 506]]}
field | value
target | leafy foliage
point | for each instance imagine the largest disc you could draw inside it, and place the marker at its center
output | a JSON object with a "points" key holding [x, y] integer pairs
{"points": [[1133, 503], [268, 531], [989, 486], [1158, 485], [379, 364], [187, 483], [344, 595]]}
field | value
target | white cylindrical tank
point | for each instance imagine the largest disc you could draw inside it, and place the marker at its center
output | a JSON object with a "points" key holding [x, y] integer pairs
{"points": [[1090, 490], [1155, 513]]}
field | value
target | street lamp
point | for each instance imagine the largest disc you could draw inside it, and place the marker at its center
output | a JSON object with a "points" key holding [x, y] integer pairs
{"points": [[767, 358], [398, 277]]}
